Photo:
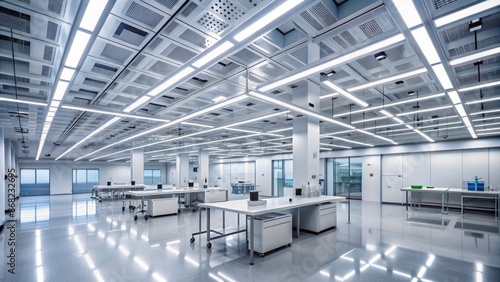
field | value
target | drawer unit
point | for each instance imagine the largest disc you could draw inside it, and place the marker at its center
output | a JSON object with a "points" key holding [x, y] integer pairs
{"points": [[318, 217], [157, 207], [272, 230]]}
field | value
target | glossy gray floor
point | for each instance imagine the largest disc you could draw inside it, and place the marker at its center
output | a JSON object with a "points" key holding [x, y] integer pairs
{"points": [[74, 238]]}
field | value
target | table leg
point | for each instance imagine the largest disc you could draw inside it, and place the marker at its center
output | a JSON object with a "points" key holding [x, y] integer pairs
{"points": [[238, 220], [447, 202], [208, 225], [406, 200], [442, 202], [224, 220], [298, 222], [462, 205], [251, 239], [199, 223]]}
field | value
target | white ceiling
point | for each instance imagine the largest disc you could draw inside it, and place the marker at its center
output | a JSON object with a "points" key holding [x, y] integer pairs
{"points": [[137, 45]]}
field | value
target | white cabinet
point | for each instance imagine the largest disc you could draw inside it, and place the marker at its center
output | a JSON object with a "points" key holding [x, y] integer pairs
{"points": [[157, 207], [272, 230], [213, 195], [318, 217]]}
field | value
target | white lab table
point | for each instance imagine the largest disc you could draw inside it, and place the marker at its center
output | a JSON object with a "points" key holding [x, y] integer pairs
{"points": [[442, 190], [492, 195], [97, 189], [159, 193], [272, 205]]}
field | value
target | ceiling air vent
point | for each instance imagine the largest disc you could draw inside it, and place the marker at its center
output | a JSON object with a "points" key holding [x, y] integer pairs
{"points": [[104, 70], [168, 3], [180, 54], [14, 19], [130, 34], [52, 30], [144, 15], [211, 23], [115, 53], [371, 29], [48, 52], [162, 68], [94, 82], [187, 11], [55, 6], [196, 39], [438, 4]]}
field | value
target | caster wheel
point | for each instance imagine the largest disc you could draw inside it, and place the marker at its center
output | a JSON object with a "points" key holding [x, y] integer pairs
{"points": [[194, 210], [289, 245], [261, 255], [191, 240], [123, 208], [179, 211], [146, 217], [100, 201], [135, 217], [251, 263], [209, 245]]}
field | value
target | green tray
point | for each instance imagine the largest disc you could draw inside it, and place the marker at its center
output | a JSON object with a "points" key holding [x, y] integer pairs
{"points": [[430, 187], [416, 186]]}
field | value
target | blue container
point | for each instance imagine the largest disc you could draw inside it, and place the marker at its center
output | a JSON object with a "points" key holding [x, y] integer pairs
{"points": [[471, 186]]}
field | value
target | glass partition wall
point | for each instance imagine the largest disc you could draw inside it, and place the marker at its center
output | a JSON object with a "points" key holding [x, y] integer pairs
{"points": [[282, 176], [343, 177]]}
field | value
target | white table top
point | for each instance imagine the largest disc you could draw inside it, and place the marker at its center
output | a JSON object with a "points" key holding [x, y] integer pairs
{"points": [[273, 204], [460, 190], [424, 189], [156, 192], [121, 186]]}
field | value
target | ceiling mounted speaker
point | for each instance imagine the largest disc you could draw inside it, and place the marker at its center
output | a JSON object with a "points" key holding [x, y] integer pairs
{"points": [[380, 56]]}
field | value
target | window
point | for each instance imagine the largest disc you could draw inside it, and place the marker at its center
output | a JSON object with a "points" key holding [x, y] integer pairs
{"points": [[35, 182], [84, 180], [152, 176]]}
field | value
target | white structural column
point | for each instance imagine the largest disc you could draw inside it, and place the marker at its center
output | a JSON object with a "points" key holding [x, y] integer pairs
{"points": [[203, 168], [137, 166], [306, 129], [2, 182], [182, 169]]}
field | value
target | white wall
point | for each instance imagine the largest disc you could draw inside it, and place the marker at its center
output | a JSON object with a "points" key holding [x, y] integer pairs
{"points": [[171, 173], [371, 178], [61, 173], [440, 169], [263, 175]]}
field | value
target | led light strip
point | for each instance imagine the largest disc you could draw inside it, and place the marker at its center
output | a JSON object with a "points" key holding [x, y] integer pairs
{"points": [[20, 101], [423, 111], [346, 94], [228, 127], [292, 107], [333, 62], [201, 144], [483, 85], [91, 16], [351, 141], [475, 56], [118, 114], [101, 128], [391, 104], [174, 122], [388, 79]]}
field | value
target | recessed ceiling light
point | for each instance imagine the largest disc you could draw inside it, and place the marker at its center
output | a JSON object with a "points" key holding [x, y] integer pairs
{"points": [[219, 99], [380, 56]]}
